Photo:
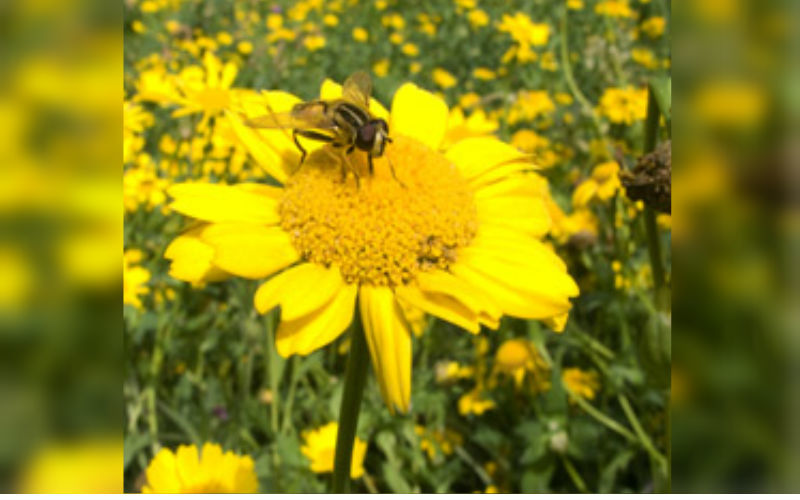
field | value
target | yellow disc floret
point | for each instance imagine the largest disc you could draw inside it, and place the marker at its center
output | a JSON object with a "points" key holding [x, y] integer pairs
{"points": [[378, 229]]}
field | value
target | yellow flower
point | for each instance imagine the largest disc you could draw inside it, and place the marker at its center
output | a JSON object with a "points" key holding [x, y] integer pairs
{"points": [[381, 67], [449, 371], [410, 49], [579, 226], [614, 8], [478, 18], [206, 89], [602, 185], [149, 6], [523, 30], [319, 446], [360, 35], [469, 100], [414, 68], [518, 357], [395, 21], [581, 383], [141, 185], [654, 26], [212, 471], [396, 38], [244, 47], [456, 234], [474, 403], [645, 57], [624, 105], [224, 38], [530, 105], [575, 4], [314, 42], [330, 20], [433, 441], [274, 21], [134, 279], [138, 27], [443, 78], [484, 74]]}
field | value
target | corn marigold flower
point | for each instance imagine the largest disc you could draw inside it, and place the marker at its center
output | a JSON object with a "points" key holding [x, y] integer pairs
{"points": [[456, 234], [134, 278], [654, 26], [624, 105], [360, 34], [209, 471], [602, 185], [614, 8], [581, 383], [434, 441], [474, 403], [518, 358], [478, 18], [319, 446], [443, 78]]}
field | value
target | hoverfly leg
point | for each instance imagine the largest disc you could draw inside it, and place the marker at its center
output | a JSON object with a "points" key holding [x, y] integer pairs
{"points": [[371, 166], [394, 174], [302, 150]]}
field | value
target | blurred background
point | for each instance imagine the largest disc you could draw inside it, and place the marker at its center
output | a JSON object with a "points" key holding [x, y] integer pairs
{"points": [[735, 346], [60, 247]]}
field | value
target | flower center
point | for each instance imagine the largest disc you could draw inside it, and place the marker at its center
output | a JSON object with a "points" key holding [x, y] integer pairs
{"points": [[380, 230]]}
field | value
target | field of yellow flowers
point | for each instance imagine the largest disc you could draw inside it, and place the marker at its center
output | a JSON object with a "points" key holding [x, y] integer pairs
{"points": [[498, 287]]}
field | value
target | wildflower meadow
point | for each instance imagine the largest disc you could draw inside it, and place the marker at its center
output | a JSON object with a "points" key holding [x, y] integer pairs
{"points": [[467, 292]]}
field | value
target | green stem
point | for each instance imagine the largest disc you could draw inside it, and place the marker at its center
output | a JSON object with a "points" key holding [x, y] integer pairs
{"points": [[480, 471], [651, 227], [641, 434], [354, 381], [576, 92], [580, 484], [287, 408], [603, 419], [272, 360]]}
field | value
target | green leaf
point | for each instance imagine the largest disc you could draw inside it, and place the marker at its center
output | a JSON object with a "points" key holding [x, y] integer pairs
{"points": [[661, 87]]}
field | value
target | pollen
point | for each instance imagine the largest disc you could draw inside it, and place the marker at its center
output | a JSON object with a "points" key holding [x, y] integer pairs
{"points": [[379, 229]]}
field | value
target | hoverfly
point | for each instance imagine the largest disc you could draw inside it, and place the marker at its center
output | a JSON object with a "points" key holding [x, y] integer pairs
{"points": [[344, 123]]}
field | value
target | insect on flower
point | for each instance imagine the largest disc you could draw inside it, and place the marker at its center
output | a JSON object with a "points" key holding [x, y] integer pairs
{"points": [[344, 123]]}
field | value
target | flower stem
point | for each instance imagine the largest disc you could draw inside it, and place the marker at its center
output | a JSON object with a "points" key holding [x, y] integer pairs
{"points": [[576, 92], [651, 227], [355, 379]]}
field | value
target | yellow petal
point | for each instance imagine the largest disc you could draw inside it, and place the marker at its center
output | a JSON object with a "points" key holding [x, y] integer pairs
{"points": [[522, 284], [442, 282], [442, 306], [389, 342], [483, 159], [191, 259], [419, 114], [299, 290], [250, 250], [162, 473], [332, 90], [584, 193], [220, 203], [526, 214], [267, 158], [312, 331]]}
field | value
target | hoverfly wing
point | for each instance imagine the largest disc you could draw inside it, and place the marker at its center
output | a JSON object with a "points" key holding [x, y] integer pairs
{"points": [[303, 116], [357, 89], [275, 120]]}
